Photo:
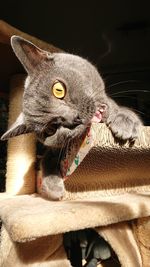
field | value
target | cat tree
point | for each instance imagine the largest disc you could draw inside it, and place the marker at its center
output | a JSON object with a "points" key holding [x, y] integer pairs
{"points": [[109, 191]]}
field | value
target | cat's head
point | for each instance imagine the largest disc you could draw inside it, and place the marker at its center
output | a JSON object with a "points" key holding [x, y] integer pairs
{"points": [[61, 91]]}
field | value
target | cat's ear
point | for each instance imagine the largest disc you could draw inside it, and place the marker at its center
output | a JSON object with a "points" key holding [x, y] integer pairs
{"points": [[28, 54], [19, 127]]}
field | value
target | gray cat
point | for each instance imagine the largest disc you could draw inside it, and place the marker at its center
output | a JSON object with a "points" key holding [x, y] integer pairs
{"points": [[63, 94]]}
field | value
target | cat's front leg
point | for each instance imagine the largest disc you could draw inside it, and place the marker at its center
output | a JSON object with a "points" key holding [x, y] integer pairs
{"points": [[122, 121], [52, 182]]}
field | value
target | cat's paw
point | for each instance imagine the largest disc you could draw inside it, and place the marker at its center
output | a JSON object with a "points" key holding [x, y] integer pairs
{"points": [[125, 124], [52, 187]]}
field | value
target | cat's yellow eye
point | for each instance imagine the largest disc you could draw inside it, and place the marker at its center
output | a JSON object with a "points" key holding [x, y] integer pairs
{"points": [[59, 90]]}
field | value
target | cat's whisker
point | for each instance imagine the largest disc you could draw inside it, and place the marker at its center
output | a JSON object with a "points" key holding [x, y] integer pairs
{"points": [[123, 82], [130, 91], [31, 114], [125, 96], [138, 111]]}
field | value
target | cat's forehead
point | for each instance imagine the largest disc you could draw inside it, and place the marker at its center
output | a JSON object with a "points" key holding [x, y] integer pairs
{"points": [[69, 60], [69, 67]]}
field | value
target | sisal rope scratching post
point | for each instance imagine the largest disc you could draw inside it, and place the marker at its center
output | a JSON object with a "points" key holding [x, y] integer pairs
{"points": [[20, 176]]}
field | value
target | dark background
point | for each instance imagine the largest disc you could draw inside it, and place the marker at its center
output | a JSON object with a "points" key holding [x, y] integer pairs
{"points": [[88, 28], [110, 33], [113, 34]]}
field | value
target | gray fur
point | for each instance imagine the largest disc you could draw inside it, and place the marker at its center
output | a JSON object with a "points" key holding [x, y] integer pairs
{"points": [[54, 120]]}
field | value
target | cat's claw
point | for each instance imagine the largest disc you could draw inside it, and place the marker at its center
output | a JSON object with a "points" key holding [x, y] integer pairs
{"points": [[125, 125]]}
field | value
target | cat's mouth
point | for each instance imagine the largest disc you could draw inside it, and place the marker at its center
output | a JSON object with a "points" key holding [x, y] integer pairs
{"points": [[51, 127], [99, 114]]}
